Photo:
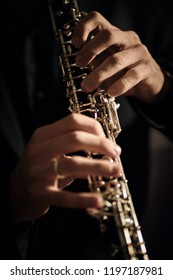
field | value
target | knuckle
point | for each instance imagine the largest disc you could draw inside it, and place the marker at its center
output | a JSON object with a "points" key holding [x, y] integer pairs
{"points": [[73, 118], [99, 75], [108, 34], [135, 36], [125, 84], [144, 49], [75, 137], [136, 74], [117, 59], [95, 15]]}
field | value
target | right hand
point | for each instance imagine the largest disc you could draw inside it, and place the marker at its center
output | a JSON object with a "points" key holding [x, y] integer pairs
{"points": [[126, 65], [34, 182]]}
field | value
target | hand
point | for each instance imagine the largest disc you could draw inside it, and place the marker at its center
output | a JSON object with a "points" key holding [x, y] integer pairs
{"points": [[126, 66], [34, 181]]}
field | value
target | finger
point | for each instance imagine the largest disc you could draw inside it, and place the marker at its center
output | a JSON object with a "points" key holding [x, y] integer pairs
{"points": [[112, 65], [92, 48], [74, 200], [77, 166], [65, 182], [112, 38], [79, 141], [71, 167], [93, 21], [70, 123], [108, 38], [126, 83]]}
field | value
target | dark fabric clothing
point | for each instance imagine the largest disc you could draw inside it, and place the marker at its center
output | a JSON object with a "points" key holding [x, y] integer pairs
{"points": [[32, 95], [158, 114]]}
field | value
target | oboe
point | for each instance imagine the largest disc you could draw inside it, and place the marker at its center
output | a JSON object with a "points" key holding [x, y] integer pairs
{"points": [[118, 213]]}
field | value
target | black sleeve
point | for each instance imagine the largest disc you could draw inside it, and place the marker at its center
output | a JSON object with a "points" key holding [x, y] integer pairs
{"points": [[159, 114]]}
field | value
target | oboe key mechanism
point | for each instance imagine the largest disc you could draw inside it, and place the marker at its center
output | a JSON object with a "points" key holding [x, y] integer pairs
{"points": [[117, 218]]}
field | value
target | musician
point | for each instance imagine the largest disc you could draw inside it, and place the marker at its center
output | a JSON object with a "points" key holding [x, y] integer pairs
{"points": [[35, 127], [22, 108]]}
